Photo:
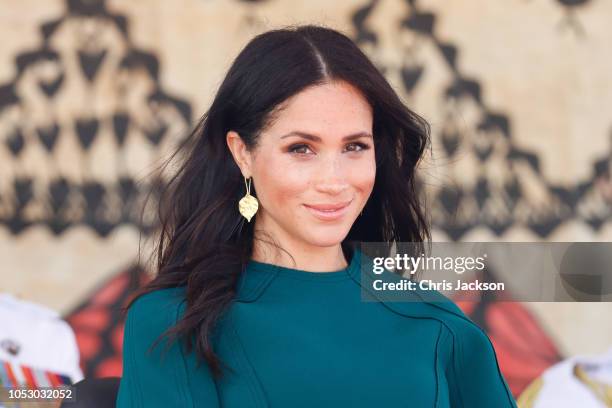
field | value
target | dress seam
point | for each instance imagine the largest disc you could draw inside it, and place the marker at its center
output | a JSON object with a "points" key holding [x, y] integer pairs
{"points": [[316, 279], [456, 358], [256, 291], [436, 366], [187, 396], [132, 358], [240, 358]]}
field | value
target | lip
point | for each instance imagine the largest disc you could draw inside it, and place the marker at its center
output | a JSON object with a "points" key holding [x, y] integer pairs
{"points": [[328, 212]]}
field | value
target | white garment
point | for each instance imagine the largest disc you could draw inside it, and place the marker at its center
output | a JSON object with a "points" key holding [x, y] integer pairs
{"points": [[41, 338], [562, 389]]}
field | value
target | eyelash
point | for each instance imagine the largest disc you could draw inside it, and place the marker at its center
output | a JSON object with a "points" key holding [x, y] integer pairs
{"points": [[292, 149]]}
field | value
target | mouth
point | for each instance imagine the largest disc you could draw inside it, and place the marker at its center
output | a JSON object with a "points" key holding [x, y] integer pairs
{"points": [[330, 211]]}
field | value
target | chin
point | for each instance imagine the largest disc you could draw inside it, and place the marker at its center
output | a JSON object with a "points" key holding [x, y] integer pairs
{"points": [[326, 237]]}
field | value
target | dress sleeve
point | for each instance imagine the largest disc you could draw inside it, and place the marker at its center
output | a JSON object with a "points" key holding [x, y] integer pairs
{"points": [[474, 377], [159, 377]]}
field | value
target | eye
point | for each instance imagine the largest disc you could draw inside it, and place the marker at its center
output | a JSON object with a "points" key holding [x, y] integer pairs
{"points": [[357, 147], [299, 149]]}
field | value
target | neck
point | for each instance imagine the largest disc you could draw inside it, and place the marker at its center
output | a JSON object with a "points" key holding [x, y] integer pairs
{"points": [[278, 248]]}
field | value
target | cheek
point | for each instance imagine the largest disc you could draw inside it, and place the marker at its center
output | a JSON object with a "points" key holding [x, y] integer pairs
{"points": [[362, 175], [279, 188]]}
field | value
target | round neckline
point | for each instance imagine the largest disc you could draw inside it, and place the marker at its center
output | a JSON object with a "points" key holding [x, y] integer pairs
{"points": [[336, 275]]}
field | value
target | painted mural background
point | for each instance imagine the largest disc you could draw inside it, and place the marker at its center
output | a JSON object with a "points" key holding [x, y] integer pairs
{"points": [[94, 93]]}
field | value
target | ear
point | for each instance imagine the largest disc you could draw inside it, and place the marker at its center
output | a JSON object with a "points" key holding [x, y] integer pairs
{"points": [[239, 151]]}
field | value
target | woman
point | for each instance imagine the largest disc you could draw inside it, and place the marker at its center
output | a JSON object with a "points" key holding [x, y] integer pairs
{"points": [[264, 296]]}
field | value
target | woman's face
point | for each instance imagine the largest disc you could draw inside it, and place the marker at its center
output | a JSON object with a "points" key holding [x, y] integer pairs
{"points": [[314, 168]]}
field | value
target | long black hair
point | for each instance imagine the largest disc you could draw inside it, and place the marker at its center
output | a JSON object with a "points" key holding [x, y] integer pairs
{"points": [[204, 244]]}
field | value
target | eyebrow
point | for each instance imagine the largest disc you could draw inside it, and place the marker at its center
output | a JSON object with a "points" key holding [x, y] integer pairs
{"points": [[315, 138]]}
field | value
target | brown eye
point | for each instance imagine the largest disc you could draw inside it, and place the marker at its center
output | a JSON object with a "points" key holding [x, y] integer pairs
{"points": [[356, 147], [299, 149]]}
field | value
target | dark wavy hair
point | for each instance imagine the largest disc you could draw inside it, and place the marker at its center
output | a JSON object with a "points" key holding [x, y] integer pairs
{"points": [[204, 244]]}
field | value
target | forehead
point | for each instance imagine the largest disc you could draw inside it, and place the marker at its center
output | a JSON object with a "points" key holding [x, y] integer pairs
{"points": [[336, 108]]}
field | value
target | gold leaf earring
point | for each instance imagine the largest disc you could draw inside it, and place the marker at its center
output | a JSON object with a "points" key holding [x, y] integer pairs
{"points": [[248, 204]]}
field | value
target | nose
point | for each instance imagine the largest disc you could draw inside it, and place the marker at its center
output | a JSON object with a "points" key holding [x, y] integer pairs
{"points": [[331, 175]]}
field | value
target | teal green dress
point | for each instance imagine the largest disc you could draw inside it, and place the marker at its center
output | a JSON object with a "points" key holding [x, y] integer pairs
{"points": [[315, 339]]}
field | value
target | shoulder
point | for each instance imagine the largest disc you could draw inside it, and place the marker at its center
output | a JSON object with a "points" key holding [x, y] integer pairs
{"points": [[154, 312], [158, 300], [152, 362], [475, 377], [458, 328], [395, 291]]}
